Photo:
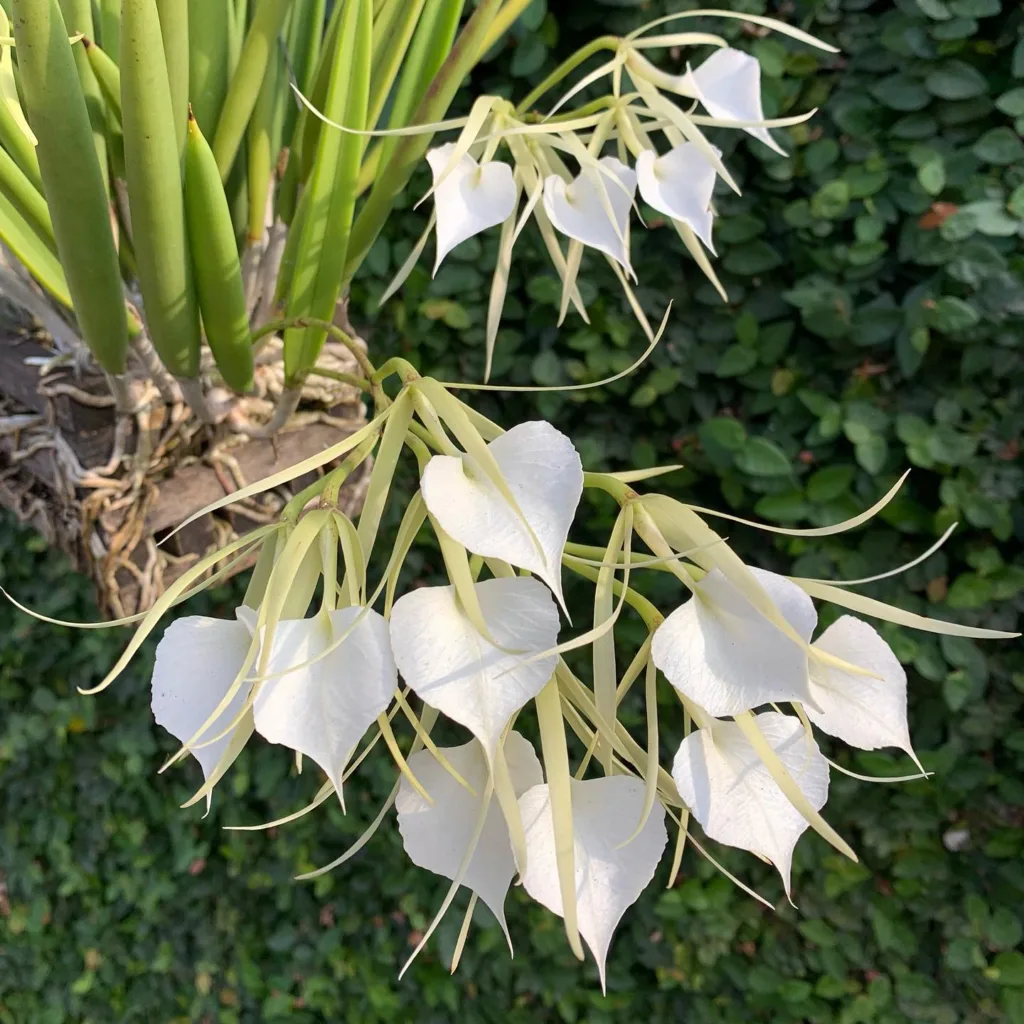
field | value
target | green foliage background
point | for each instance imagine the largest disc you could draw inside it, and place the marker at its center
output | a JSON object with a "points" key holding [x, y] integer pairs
{"points": [[874, 325]]}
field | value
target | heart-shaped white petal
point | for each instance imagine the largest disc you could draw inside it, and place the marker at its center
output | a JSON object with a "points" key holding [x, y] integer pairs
{"points": [[580, 208], [679, 184], [323, 708], [470, 199], [609, 876], [733, 796], [197, 660], [437, 837], [729, 85], [544, 473], [724, 655], [451, 667], [864, 711]]}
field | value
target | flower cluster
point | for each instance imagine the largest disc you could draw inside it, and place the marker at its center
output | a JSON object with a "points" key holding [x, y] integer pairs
{"points": [[675, 167], [754, 684], [583, 833]]}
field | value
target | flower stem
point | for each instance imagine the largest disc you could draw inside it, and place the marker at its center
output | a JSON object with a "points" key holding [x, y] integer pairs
{"points": [[567, 66]]}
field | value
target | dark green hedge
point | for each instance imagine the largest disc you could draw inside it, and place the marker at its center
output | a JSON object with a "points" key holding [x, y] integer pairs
{"points": [[875, 325]]}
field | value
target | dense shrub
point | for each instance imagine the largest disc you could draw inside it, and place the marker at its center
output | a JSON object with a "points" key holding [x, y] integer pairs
{"points": [[874, 324]]}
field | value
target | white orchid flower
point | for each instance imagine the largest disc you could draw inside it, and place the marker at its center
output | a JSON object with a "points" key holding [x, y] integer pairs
{"points": [[679, 184], [470, 199], [545, 476], [612, 869], [197, 661], [730, 791], [722, 653], [439, 836], [594, 207], [728, 84], [454, 669], [867, 711], [320, 704], [317, 704]]}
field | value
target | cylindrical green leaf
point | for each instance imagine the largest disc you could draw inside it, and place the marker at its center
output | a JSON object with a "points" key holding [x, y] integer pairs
{"points": [[218, 274], [173, 16], [153, 174], [72, 179], [247, 81], [108, 22], [305, 40], [78, 19], [15, 184], [14, 140], [324, 244], [24, 241], [209, 31], [307, 128], [263, 141], [107, 75]]}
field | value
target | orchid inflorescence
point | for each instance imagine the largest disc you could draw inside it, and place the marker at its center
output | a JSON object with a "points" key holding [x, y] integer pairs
{"points": [[584, 836], [584, 840], [675, 167]]}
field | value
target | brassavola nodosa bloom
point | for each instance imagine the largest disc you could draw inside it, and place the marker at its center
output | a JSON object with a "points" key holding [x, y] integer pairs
{"points": [[334, 649]]}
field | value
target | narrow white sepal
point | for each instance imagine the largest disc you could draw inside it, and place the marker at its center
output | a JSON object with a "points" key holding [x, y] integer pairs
{"points": [[732, 794], [724, 655], [728, 84], [451, 667], [437, 837], [197, 660], [579, 209], [323, 709], [865, 711], [470, 199], [609, 875], [544, 473], [679, 184]]}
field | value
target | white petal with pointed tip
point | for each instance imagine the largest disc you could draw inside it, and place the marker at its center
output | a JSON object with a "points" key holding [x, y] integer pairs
{"points": [[437, 837], [729, 85], [733, 796], [323, 709], [451, 667], [723, 654], [679, 184], [609, 876], [544, 473], [197, 660], [470, 199], [863, 711], [579, 210]]}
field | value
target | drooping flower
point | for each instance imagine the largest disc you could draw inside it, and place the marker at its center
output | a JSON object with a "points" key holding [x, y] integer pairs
{"points": [[728, 84], [470, 199], [722, 653], [438, 837], [454, 669], [544, 475], [321, 696], [865, 710], [594, 207], [731, 792], [679, 184], [197, 661], [612, 869]]}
